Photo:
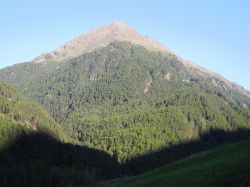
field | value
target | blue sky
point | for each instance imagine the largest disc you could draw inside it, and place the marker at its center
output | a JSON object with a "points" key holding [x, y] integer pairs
{"points": [[212, 33]]}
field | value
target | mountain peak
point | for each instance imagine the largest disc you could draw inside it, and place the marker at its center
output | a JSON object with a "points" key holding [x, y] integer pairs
{"points": [[100, 37], [119, 24]]}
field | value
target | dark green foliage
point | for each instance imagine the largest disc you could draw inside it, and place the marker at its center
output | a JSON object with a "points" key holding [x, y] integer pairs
{"points": [[127, 131], [32, 152], [123, 100], [128, 101], [18, 116], [40, 160]]}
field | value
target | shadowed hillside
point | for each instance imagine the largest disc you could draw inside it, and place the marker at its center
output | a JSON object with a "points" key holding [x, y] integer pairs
{"points": [[173, 153], [226, 165], [40, 160]]}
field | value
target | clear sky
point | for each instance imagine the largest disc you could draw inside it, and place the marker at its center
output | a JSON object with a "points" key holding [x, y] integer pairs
{"points": [[212, 33]]}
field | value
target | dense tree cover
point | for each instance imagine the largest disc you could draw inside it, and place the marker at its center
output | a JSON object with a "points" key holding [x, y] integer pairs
{"points": [[122, 99], [18, 115], [116, 74], [126, 131], [37, 159], [34, 152], [9, 131], [129, 101]]}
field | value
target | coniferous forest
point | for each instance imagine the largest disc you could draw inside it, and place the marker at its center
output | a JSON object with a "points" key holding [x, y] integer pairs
{"points": [[120, 110]]}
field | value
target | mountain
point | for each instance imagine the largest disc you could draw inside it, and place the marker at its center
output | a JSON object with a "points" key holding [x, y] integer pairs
{"points": [[116, 91], [119, 31], [98, 38]]}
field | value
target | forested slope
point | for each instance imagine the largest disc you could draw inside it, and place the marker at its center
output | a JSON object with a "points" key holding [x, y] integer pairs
{"points": [[129, 101], [18, 116], [34, 149]]}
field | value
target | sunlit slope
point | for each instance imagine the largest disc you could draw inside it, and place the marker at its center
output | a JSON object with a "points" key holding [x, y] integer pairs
{"points": [[19, 116]]}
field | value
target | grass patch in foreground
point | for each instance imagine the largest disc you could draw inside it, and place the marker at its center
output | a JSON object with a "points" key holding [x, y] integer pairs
{"points": [[227, 165]]}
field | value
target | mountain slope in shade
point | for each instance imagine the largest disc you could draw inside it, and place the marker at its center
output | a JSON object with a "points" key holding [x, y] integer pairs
{"points": [[97, 38], [227, 165]]}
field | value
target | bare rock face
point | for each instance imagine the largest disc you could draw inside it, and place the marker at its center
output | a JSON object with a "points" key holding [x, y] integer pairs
{"points": [[167, 76], [97, 38]]}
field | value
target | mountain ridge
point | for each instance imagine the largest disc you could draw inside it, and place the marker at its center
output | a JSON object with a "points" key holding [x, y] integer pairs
{"points": [[97, 38], [119, 31], [221, 80]]}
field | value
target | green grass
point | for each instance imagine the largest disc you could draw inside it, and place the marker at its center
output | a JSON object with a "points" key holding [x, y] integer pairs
{"points": [[227, 165]]}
